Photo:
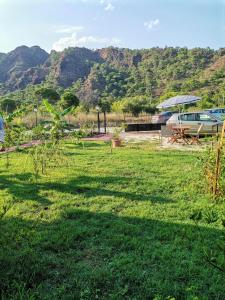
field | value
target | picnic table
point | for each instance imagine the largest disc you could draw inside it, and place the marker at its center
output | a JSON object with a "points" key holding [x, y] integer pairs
{"points": [[179, 134]]}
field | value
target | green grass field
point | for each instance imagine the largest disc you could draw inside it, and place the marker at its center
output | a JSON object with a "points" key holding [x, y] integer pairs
{"points": [[107, 226]]}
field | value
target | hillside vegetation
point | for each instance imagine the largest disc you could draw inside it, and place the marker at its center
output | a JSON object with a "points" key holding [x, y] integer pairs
{"points": [[114, 73]]}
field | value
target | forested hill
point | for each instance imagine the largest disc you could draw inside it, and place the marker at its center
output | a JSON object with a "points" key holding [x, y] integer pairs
{"points": [[115, 72]]}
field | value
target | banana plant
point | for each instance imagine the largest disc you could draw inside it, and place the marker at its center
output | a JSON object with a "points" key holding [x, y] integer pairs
{"points": [[57, 121], [10, 117], [12, 133]]}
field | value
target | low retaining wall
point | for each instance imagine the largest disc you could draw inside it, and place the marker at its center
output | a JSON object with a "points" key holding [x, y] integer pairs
{"points": [[143, 127]]}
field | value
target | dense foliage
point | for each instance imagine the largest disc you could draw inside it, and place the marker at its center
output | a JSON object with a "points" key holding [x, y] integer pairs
{"points": [[153, 74]]}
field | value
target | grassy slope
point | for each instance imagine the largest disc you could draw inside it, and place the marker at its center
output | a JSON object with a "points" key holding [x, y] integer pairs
{"points": [[108, 227]]}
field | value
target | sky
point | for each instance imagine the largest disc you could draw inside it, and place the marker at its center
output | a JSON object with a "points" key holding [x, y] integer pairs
{"points": [[58, 24]]}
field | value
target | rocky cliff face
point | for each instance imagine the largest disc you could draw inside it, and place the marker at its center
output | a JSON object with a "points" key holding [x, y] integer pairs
{"points": [[15, 65], [120, 57], [2, 55], [113, 72], [71, 64], [25, 65]]}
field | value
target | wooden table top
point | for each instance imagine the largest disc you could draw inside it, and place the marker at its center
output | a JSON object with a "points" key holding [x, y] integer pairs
{"points": [[181, 127]]}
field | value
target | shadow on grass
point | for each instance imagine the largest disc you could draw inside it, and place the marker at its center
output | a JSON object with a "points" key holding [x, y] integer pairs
{"points": [[83, 184], [106, 257], [86, 144], [22, 188], [175, 153]]}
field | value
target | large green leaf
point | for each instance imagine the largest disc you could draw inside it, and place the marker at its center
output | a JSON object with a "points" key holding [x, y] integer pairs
{"points": [[67, 111], [15, 114], [49, 107]]}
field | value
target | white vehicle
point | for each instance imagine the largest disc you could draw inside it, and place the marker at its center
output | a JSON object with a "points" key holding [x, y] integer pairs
{"points": [[211, 125]]}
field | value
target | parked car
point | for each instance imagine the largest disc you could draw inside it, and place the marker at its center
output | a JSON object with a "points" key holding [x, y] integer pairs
{"points": [[162, 118], [194, 119], [219, 113]]}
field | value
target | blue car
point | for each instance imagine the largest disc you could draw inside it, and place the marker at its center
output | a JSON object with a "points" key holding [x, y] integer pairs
{"points": [[219, 113]]}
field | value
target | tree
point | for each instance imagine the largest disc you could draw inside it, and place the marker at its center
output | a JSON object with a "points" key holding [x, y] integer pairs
{"points": [[105, 105], [47, 93], [136, 105], [8, 105], [117, 106], [69, 99]]}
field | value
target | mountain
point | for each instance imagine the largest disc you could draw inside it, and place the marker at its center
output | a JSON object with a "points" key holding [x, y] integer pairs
{"points": [[17, 65], [114, 72], [72, 64]]}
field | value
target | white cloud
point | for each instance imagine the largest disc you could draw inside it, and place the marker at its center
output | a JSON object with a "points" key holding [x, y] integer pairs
{"points": [[152, 24], [74, 40], [108, 6], [69, 29]]}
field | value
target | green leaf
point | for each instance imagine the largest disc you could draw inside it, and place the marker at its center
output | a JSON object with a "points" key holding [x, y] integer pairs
{"points": [[223, 222], [196, 215], [211, 216], [49, 107], [67, 111], [15, 114]]}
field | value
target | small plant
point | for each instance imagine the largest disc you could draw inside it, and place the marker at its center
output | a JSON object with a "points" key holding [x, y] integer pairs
{"points": [[40, 132], [44, 157], [78, 135], [109, 143], [116, 138], [48, 153], [88, 128], [35, 162], [13, 133], [213, 162], [116, 133], [216, 256]]}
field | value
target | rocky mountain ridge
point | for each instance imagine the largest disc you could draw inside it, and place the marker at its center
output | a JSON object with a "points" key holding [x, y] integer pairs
{"points": [[109, 71]]}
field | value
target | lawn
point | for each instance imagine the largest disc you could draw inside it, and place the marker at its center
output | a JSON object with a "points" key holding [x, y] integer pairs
{"points": [[107, 226]]}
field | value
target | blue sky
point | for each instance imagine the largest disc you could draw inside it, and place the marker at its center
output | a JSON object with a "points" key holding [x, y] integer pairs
{"points": [[56, 24]]}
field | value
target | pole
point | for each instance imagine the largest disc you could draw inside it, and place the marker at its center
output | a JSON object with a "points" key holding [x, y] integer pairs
{"points": [[104, 121], [36, 109], [98, 122]]}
